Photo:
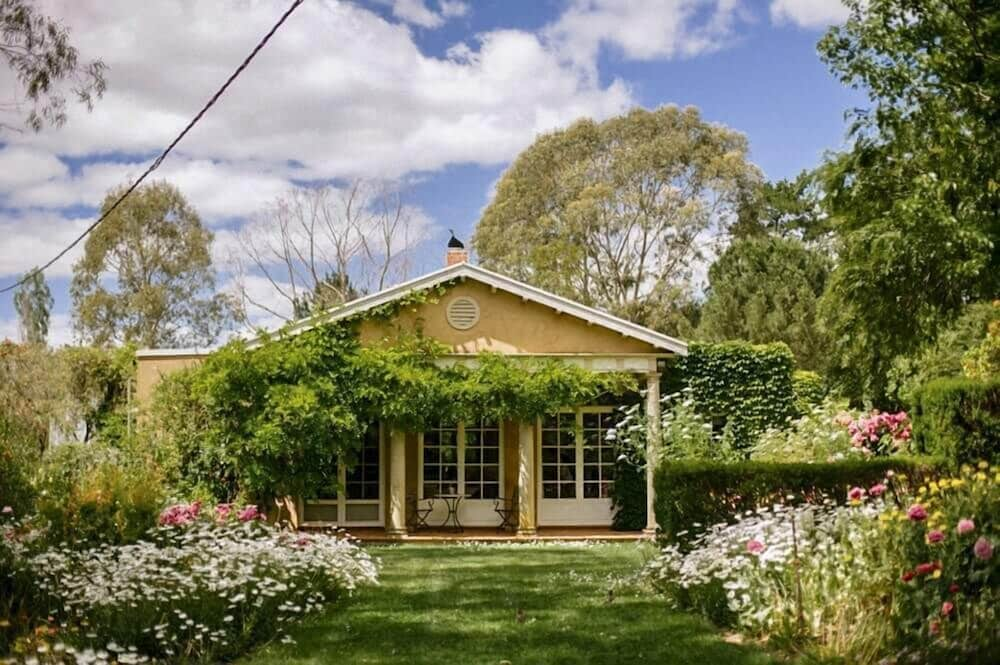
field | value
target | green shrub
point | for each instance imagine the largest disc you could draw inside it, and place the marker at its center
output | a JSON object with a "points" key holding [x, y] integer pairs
{"points": [[89, 494], [18, 458], [744, 387], [628, 496], [690, 496], [959, 419], [809, 390]]}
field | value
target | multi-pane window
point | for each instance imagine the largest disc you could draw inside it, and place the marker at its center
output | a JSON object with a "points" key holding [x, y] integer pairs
{"points": [[559, 456], [482, 459], [362, 481], [598, 455], [441, 461]]}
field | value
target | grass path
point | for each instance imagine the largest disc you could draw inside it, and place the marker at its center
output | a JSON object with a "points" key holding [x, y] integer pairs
{"points": [[523, 604]]}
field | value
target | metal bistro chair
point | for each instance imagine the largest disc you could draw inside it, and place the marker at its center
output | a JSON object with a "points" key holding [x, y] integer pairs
{"points": [[507, 510], [418, 512]]}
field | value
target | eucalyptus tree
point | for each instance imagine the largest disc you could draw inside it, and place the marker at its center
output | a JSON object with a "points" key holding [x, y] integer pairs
{"points": [[33, 303], [616, 214]]}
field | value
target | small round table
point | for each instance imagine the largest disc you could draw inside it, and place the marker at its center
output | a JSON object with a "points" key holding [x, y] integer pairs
{"points": [[452, 501]]}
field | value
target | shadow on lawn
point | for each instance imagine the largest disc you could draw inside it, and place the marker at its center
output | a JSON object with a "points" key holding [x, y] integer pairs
{"points": [[525, 605]]}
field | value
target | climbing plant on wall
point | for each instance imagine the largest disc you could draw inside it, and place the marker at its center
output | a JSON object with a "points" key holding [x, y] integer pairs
{"points": [[277, 419]]}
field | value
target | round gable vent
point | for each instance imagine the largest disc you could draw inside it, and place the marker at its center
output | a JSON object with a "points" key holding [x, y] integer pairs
{"points": [[463, 313]]}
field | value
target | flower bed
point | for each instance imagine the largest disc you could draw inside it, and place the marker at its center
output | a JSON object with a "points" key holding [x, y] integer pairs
{"points": [[200, 589], [890, 572]]}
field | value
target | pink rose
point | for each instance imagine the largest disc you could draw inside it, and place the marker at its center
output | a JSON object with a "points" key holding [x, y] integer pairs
{"points": [[965, 526], [935, 536], [917, 513], [946, 608], [855, 494], [877, 489], [249, 513], [983, 549], [755, 546], [927, 568], [935, 627]]}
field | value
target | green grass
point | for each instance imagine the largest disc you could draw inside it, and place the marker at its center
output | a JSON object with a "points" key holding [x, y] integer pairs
{"points": [[460, 604]]}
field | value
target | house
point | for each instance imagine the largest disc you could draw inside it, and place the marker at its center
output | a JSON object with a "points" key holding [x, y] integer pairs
{"points": [[560, 468]]}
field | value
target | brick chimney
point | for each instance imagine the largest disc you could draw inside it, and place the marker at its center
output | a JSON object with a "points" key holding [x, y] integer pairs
{"points": [[457, 253]]}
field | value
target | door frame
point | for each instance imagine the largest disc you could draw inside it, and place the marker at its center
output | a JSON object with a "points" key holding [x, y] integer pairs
{"points": [[341, 501], [578, 511], [471, 512]]}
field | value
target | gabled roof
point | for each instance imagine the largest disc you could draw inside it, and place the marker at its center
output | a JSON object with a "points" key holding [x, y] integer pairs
{"points": [[502, 283], [473, 272]]}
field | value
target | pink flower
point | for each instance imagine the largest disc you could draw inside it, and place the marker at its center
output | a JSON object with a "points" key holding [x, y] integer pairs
{"points": [[907, 576], [855, 494], [935, 536], [7, 510], [755, 546], [877, 489], [927, 568], [965, 526], [953, 588], [935, 627], [983, 549], [249, 513], [946, 608], [180, 514], [917, 513], [223, 511]]}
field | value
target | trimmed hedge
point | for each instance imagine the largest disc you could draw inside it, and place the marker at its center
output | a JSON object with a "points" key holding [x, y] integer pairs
{"points": [[691, 496], [748, 386], [808, 389], [628, 497], [959, 419]]}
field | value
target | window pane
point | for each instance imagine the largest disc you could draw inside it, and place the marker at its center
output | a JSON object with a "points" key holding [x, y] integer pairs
{"points": [[550, 473], [567, 455], [550, 491], [491, 456], [491, 491], [567, 473], [472, 474], [550, 438], [491, 473], [474, 491], [591, 420], [568, 490], [591, 491], [431, 455], [549, 421], [491, 439], [550, 455], [472, 455], [591, 473], [591, 456]]}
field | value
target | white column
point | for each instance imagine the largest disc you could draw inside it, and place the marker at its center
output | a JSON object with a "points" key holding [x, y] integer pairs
{"points": [[397, 484], [652, 448], [526, 485]]}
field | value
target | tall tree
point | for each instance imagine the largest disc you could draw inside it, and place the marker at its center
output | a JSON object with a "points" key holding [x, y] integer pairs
{"points": [[314, 248], [785, 208], [156, 249], [767, 289], [613, 214], [916, 202], [33, 302], [38, 52]]}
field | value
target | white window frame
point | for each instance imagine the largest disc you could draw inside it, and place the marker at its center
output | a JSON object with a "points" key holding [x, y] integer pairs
{"points": [[578, 511], [471, 512], [341, 501]]}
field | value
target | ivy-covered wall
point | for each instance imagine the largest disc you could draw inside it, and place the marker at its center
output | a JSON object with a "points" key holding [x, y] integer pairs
{"points": [[743, 387]]}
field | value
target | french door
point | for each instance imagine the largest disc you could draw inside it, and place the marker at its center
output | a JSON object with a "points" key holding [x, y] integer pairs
{"points": [[576, 467], [464, 459], [356, 498]]}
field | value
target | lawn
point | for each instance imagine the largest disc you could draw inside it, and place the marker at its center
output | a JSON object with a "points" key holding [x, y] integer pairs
{"points": [[522, 604]]}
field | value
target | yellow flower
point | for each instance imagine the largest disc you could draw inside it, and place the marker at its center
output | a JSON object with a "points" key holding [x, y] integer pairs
{"points": [[936, 574], [980, 476], [958, 482], [966, 469], [983, 464]]}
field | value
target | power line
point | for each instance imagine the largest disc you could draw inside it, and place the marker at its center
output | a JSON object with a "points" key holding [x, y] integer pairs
{"points": [[159, 160]]}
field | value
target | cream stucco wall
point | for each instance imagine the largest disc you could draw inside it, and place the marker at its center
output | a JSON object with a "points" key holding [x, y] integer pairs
{"points": [[150, 369], [508, 324]]}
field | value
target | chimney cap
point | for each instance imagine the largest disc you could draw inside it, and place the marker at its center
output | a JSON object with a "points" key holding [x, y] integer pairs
{"points": [[454, 243]]}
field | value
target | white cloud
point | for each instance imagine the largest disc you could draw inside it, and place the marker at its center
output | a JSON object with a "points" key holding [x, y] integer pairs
{"points": [[652, 29], [418, 13], [31, 238], [20, 167], [60, 330], [809, 13]]}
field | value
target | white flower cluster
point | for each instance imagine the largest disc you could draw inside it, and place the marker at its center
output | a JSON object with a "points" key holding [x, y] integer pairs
{"points": [[198, 593], [767, 573]]}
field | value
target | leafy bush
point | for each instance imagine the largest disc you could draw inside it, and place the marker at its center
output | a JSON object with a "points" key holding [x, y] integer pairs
{"points": [[809, 390], [90, 494], [747, 386], [959, 419], [18, 458], [203, 591], [983, 361], [905, 576], [692, 495]]}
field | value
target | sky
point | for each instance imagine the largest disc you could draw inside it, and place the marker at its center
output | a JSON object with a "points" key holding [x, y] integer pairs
{"points": [[436, 95]]}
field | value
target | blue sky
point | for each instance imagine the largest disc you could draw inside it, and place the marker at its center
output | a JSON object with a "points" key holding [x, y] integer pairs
{"points": [[437, 96]]}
